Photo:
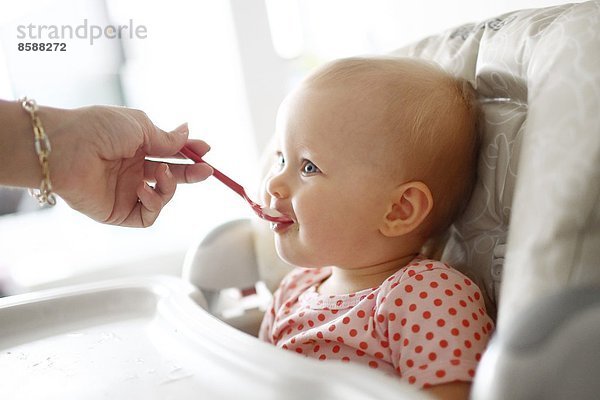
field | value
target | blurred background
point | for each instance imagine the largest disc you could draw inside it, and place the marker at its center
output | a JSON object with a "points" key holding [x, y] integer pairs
{"points": [[221, 65]]}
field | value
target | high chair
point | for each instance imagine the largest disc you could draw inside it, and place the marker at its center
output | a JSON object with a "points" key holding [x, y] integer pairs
{"points": [[530, 238]]}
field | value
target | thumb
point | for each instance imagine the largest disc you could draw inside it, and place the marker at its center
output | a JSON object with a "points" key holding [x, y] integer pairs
{"points": [[159, 143]]}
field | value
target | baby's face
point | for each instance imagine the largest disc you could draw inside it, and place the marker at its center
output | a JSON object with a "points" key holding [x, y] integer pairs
{"points": [[330, 178]]}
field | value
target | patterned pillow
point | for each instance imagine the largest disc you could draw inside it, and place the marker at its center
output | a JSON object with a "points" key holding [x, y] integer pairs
{"points": [[538, 75]]}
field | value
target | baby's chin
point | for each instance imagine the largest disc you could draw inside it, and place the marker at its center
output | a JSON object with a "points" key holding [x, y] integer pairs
{"points": [[296, 259]]}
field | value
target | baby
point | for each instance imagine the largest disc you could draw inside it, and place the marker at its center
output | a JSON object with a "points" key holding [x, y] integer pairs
{"points": [[376, 157]]}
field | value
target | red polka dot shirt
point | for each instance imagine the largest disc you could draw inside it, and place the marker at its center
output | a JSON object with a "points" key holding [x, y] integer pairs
{"points": [[426, 323]]}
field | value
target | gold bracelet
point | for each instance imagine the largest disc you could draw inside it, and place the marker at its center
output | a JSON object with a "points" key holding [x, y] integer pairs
{"points": [[44, 195]]}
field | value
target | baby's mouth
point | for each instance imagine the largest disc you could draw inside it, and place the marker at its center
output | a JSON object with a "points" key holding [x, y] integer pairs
{"points": [[280, 227]]}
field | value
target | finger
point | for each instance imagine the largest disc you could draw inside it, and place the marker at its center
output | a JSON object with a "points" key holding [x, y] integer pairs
{"points": [[154, 199], [200, 147], [162, 144], [149, 207], [165, 184], [183, 173]]}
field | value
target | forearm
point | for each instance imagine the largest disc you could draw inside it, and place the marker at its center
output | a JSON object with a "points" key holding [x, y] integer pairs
{"points": [[19, 165]]}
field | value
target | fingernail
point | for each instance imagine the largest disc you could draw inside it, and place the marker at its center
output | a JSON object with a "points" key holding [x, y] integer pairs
{"points": [[168, 171], [182, 129], [147, 187]]}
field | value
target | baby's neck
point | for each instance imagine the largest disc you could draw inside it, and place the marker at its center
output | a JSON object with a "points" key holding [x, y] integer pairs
{"points": [[352, 280]]}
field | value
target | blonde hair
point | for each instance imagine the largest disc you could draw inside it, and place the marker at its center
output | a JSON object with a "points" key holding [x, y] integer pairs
{"points": [[430, 114]]}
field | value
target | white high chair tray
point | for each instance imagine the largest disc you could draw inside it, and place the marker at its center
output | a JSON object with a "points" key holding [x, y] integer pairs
{"points": [[148, 338]]}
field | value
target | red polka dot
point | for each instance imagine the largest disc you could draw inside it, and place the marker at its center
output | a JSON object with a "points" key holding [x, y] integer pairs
{"points": [[408, 288], [410, 363], [310, 323], [419, 277], [465, 323], [455, 332], [443, 343], [423, 295], [429, 266], [361, 313], [360, 353], [468, 282], [478, 357], [419, 349], [471, 373], [363, 345], [396, 337], [380, 318], [353, 332], [489, 326], [457, 353], [458, 287], [437, 302], [429, 336], [412, 307], [426, 315], [384, 344], [300, 327], [340, 339], [331, 328], [346, 320], [316, 348], [434, 285], [477, 336], [432, 356], [406, 342], [416, 328], [298, 350], [444, 276], [412, 380], [452, 311], [448, 292], [301, 314], [462, 303], [322, 357], [320, 335], [379, 355], [370, 296], [477, 295], [336, 349], [475, 317], [345, 359], [440, 373], [411, 273], [403, 321], [392, 316], [454, 361], [441, 322], [321, 317], [468, 344], [398, 302]]}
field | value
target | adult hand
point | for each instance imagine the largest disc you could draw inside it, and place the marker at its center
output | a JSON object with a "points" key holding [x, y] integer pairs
{"points": [[98, 163]]}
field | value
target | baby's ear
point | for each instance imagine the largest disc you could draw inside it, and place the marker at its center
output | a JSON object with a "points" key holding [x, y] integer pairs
{"points": [[410, 204]]}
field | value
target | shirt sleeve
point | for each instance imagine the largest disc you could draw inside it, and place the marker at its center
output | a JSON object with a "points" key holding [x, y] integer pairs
{"points": [[265, 332], [436, 325], [266, 325]]}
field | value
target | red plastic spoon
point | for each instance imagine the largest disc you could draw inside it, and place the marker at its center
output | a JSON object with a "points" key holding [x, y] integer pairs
{"points": [[266, 213]]}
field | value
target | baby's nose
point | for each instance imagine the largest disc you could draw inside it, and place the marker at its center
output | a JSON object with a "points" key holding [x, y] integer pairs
{"points": [[276, 186]]}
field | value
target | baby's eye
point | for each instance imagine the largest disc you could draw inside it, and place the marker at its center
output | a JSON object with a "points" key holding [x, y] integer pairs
{"points": [[308, 168], [280, 160]]}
